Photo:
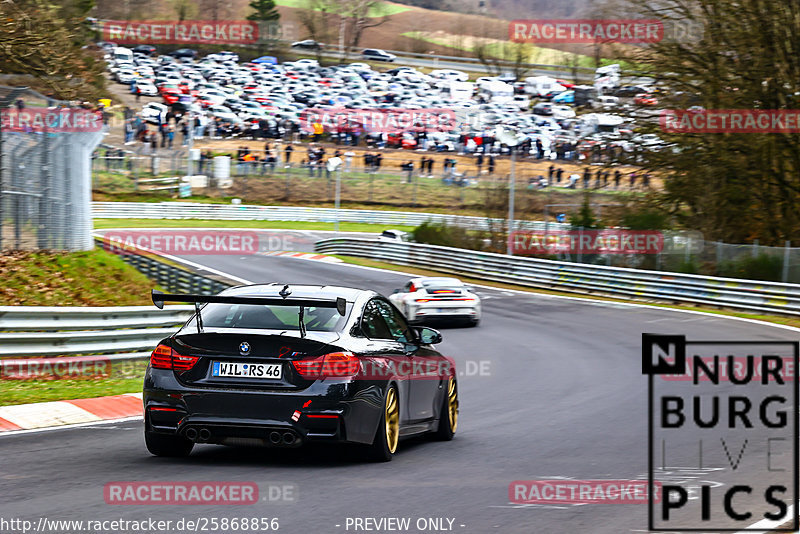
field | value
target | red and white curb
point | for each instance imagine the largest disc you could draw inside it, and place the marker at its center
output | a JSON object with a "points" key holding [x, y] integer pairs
{"points": [[303, 256], [69, 412]]}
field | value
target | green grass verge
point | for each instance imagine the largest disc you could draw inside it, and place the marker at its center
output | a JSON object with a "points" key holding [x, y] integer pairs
{"points": [[125, 377], [100, 224], [777, 319], [91, 278], [379, 9]]}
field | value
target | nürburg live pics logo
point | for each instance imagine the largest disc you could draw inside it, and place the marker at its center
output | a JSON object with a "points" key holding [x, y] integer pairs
{"points": [[729, 408]]}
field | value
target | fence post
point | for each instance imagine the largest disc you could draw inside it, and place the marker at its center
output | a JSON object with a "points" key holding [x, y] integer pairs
{"points": [[786, 252], [288, 183]]}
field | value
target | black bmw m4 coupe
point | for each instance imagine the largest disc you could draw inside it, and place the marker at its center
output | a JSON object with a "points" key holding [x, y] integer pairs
{"points": [[283, 365]]}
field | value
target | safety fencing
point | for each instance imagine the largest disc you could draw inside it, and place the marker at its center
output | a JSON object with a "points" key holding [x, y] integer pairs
{"points": [[745, 295], [242, 212], [45, 173]]}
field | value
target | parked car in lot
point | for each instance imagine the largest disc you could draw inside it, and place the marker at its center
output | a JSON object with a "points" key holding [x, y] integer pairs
{"points": [[377, 54], [184, 53], [543, 108], [645, 99], [431, 299], [566, 97], [146, 88], [608, 102], [147, 50]]}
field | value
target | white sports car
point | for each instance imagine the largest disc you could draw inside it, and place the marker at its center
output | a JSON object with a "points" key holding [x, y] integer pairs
{"points": [[437, 299]]}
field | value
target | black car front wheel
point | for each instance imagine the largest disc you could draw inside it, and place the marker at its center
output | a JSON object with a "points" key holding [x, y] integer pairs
{"points": [[165, 445], [388, 434]]}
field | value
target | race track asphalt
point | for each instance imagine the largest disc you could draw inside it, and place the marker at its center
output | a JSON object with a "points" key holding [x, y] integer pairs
{"points": [[561, 395]]}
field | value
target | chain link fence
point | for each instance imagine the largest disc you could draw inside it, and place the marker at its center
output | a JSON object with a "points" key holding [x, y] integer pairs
{"points": [[45, 173]]}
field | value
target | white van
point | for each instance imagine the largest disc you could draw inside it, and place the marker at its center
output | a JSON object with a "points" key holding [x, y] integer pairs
{"points": [[461, 90], [542, 85], [123, 55], [606, 79], [498, 92]]}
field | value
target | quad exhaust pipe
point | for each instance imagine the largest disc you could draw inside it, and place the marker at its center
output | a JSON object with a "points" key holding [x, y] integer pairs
{"points": [[276, 438]]}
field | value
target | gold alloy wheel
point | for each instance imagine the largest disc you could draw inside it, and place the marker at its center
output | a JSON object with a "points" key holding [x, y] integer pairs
{"points": [[452, 404], [392, 417]]}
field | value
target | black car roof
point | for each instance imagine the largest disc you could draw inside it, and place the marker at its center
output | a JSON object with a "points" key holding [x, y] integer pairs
{"points": [[298, 290]]}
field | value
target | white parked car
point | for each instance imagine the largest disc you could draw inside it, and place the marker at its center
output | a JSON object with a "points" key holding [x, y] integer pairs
{"points": [[224, 113], [563, 112], [522, 102], [438, 299], [608, 102], [146, 88], [449, 74], [360, 67]]}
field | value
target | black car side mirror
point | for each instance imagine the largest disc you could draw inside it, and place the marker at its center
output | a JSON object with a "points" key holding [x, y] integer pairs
{"points": [[428, 336]]}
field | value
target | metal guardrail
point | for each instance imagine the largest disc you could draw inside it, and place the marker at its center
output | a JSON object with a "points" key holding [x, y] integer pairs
{"points": [[745, 295], [243, 212], [106, 333]]}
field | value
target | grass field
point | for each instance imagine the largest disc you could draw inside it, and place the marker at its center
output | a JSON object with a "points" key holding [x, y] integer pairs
{"points": [[125, 377], [199, 223], [380, 9], [91, 278]]}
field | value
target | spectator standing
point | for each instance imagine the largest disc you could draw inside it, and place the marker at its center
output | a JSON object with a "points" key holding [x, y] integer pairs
{"points": [[287, 155]]}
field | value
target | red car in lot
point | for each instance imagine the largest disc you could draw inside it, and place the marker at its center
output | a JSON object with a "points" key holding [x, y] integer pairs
{"points": [[645, 99]]}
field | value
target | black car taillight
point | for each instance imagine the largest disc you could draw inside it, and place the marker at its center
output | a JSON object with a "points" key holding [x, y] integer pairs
{"points": [[335, 364], [165, 357]]}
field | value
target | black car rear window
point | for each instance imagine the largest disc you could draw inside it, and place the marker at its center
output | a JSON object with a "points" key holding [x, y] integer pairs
{"points": [[253, 316]]}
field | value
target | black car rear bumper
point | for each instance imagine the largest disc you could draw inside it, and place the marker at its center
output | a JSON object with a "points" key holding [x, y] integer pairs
{"points": [[328, 410]]}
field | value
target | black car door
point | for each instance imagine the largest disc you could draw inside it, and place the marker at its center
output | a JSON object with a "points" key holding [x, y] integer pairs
{"points": [[422, 376], [383, 345]]}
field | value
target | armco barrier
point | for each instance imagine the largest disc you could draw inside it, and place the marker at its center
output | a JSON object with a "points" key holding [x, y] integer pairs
{"points": [[107, 333], [242, 212], [746, 295]]}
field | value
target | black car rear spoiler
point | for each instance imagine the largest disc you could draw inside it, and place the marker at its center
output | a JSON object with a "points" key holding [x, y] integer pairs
{"points": [[160, 298]]}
